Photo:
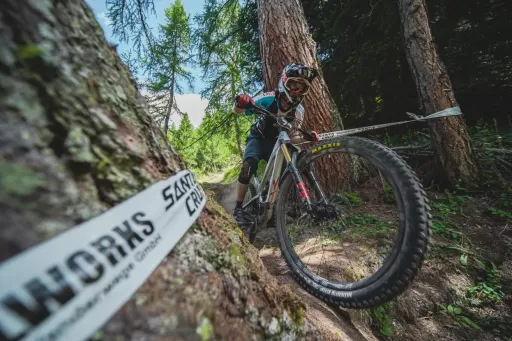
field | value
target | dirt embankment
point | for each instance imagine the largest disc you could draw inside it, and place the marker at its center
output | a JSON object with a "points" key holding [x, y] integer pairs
{"points": [[333, 323], [456, 275]]}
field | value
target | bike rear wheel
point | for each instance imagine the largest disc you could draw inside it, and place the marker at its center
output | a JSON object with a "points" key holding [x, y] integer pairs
{"points": [[252, 209], [348, 235]]}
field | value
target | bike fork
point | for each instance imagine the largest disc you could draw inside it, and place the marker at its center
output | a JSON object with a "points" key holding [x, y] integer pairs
{"points": [[310, 175], [303, 193]]}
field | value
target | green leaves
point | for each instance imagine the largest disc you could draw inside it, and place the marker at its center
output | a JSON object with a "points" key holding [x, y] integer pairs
{"points": [[456, 313], [443, 210], [387, 330], [208, 148], [129, 22], [220, 45], [352, 197], [464, 259], [380, 315], [488, 290], [500, 213], [455, 310], [221, 52]]}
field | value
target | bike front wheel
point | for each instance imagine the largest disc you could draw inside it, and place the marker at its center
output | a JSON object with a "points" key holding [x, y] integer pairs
{"points": [[370, 229]]}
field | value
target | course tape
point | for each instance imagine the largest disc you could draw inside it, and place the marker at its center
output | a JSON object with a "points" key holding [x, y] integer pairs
{"points": [[69, 286], [455, 111]]}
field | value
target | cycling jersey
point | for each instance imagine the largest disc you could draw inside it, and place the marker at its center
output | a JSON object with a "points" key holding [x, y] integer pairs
{"points": [[265, 126]]}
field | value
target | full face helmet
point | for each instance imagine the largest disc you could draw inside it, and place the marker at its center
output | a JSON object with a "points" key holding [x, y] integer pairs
{"points": [[294, 84]]}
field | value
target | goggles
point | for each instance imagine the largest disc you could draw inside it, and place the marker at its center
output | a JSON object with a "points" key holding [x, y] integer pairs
{"points": [[297, 86]]}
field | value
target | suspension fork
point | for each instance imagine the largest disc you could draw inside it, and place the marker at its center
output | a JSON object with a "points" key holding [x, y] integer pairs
{"points": [[310, 175], [292, 163]]}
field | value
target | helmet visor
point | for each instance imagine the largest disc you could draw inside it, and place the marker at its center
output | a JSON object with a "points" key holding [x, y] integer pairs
{"points": [[297, 86]]}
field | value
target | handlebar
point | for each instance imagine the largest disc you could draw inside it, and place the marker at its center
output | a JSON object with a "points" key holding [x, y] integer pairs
{"points": [[261, 110], [265, 112]]}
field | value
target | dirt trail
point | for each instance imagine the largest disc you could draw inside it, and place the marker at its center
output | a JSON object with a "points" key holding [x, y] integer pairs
{"points": [[333, 323]]}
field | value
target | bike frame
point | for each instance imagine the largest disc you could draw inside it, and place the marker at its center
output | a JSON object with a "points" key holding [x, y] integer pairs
{"points": [[282, 157], [271, 177]]}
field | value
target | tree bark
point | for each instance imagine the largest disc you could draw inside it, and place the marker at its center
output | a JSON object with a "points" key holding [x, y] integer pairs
{"points": [[285, 39], [238, 139], [449, 136], [171, 90], [169, 108], [237, 127], [76, 139]]}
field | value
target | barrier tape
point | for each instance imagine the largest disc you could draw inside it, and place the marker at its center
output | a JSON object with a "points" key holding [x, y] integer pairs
{"points": [[67, 287], [455, 111]]}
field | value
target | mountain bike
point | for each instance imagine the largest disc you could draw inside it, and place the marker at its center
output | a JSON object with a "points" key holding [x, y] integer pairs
{"points": [[336, 221]]}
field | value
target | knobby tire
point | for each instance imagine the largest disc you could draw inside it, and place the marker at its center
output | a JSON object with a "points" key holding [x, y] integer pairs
{"points": [[411, 243]]}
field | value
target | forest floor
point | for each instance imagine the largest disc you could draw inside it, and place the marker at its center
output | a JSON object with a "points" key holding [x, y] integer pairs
{"points": [[463, 291]]}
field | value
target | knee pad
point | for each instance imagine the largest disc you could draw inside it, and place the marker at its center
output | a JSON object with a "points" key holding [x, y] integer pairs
{"points": [[249, 168]]}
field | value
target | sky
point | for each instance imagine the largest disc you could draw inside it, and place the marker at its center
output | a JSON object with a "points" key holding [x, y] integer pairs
{"points": [[190, 102]]}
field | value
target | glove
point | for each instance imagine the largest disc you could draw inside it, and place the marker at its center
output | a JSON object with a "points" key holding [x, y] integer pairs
{"points": [[314, 136], [244, 101]]}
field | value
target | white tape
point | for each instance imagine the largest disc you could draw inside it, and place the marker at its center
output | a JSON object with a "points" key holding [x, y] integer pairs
{"points": [[69, 286], [455, 111]]}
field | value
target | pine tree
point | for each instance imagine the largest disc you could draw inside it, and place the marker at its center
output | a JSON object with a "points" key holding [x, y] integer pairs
{"points": [[220, 56], [183, 140], [166, 64], [129, 22]]}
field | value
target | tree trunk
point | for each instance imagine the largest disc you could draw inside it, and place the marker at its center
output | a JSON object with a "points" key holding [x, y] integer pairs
{"points": [[285, 39], [449, 137], [238, 138], [76, 139], [169, 108], [237, 127]]}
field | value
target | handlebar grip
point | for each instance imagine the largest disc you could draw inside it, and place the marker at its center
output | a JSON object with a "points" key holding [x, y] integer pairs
{"points": [[307, 135]]}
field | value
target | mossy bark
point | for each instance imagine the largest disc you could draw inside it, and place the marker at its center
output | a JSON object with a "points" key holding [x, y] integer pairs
{"points": [[76, 139]]}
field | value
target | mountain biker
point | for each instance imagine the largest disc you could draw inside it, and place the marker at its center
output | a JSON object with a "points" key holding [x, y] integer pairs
{"points": [[293, 85]]}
